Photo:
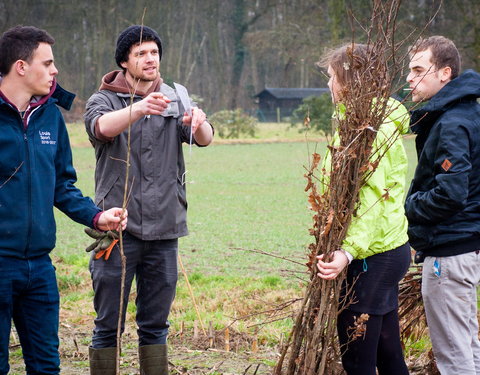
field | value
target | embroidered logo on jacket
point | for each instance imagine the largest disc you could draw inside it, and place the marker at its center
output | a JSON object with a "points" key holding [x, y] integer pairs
{"points": [[446, 165], [45, 138]]}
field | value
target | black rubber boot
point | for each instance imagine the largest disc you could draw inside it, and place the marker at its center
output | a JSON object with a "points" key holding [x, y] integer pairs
{"points": [[153, 359], [102, 361]]}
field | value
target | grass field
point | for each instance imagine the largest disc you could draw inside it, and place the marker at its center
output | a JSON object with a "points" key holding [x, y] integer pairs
{"points": [[243, 195]]}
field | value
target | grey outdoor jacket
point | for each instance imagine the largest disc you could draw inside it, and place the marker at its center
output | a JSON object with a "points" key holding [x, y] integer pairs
{"points": [[157, 205]]}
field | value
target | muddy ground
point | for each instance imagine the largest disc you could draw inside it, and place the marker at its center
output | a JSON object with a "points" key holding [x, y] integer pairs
{"points": [[190, 353], [187, 355]]}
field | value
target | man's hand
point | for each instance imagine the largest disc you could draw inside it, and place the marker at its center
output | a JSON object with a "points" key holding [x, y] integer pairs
{"points": [[103, 244], [113, 123], [203, 133], [112, 219], [197, 118], [154, 103], [331, 270]]}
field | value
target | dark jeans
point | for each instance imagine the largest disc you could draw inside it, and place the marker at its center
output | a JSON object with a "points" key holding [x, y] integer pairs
{"points": [[154, 265], [29, 296]]}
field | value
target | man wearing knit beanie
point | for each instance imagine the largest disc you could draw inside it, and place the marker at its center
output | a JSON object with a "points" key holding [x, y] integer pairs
{"points": [[157, 199], [132, 35]]}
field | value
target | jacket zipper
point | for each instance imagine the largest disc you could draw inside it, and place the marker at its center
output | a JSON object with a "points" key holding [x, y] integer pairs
{"points": [[25, 119], [29, 181]]}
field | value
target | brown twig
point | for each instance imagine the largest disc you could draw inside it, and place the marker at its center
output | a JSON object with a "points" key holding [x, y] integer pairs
{"points": [[124, 207], [191, 294], [11, 176], [269, 254]]}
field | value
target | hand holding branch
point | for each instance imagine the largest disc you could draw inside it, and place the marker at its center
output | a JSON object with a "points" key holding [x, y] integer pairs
{"points": [[112, 219], [330, 270]]}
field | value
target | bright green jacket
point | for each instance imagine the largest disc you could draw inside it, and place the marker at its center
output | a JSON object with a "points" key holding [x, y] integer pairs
{"points": [[380, 223]]}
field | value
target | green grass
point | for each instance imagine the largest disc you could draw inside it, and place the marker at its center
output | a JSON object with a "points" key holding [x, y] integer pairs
{"points": [[242, 197], [245, 197]]}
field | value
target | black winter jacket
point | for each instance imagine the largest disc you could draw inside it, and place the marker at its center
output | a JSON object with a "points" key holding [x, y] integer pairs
{"points": [[443, 203]]}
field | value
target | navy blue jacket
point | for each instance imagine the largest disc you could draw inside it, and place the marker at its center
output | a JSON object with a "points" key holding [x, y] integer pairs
{"points": [[36, 174], [443, 203]]}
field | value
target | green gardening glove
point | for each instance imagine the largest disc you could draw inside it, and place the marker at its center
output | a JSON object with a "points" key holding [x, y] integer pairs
{"points": [[104, 242]]}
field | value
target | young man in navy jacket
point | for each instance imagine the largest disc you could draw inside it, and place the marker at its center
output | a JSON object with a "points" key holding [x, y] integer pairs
{"points": [[443, 204], [36, 174]]}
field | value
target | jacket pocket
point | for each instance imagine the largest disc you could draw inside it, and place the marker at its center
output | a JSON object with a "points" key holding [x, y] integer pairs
{"points": [[13, 160], [105, 185], [181, 191]]}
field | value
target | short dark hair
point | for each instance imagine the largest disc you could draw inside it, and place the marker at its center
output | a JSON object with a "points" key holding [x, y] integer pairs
{"points": [[19, 43], [444, 53]]}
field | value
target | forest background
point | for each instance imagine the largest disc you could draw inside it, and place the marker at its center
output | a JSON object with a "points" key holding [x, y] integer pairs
{"points": [[226, 51], [242, 196]]}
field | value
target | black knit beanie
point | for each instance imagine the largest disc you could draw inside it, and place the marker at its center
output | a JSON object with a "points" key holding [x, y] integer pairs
{"points": [[130, 36]]}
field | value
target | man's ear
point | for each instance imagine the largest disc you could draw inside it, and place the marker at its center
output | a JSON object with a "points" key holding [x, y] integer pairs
{"points": [[124, 64], [20, 67], [446, 74]]}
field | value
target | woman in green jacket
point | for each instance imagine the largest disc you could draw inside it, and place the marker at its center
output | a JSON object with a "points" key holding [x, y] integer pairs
{"points": [[376, 248]]}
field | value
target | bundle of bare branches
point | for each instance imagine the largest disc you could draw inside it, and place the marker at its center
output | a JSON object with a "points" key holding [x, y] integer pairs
{"points": [[312, 347], [411, 312], [413, 323]]}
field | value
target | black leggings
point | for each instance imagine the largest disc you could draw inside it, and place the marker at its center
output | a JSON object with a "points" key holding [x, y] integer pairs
{"points": [[378, 348]]}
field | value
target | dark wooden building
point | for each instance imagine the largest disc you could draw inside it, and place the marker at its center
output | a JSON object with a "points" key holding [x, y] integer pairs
{"points": [[275, 104]]}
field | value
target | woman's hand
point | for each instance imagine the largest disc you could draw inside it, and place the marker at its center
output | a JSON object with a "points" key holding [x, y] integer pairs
{"points": [[331, 270]]}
